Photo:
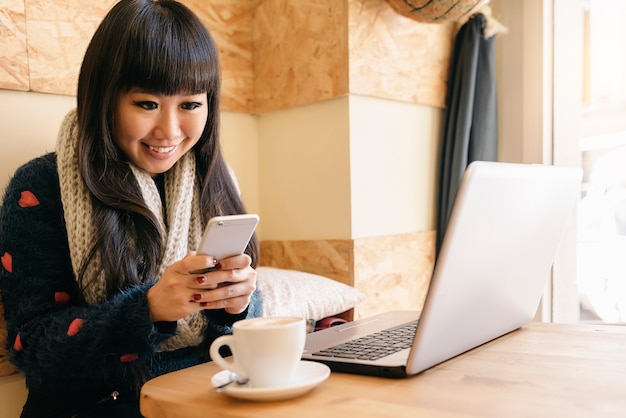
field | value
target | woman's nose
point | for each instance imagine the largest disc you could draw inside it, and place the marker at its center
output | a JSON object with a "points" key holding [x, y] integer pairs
{"points": [[167, 126]]}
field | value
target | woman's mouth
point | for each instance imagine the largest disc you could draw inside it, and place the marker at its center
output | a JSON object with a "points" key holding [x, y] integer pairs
{"points": [[162, 150]]}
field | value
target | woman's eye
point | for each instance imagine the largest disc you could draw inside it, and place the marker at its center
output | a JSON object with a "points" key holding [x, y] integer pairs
{"points": [[191, 105], [147, 105]]}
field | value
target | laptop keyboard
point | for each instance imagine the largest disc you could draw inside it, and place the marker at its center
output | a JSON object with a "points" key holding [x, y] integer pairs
{"points": [[374, 346]]}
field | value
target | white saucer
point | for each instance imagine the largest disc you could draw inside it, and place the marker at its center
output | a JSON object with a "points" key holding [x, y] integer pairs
{"points": [[308, 375]]}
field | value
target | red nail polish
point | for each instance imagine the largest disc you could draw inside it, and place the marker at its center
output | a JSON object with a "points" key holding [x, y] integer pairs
{"points": [[197, 296], [203, 304], [201, 279], [218, 266]]}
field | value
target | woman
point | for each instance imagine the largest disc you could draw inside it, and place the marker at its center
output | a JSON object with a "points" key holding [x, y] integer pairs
{"points": [[97, 239]]}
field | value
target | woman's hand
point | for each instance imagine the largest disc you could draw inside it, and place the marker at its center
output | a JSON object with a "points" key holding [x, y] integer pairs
{"points": [[179, 292]]}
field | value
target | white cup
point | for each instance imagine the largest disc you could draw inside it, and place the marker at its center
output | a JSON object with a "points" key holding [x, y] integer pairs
{"points": [[267, 350]]}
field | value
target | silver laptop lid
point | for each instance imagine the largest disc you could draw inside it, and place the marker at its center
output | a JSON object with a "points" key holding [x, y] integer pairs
{"points": [[496, 256]]}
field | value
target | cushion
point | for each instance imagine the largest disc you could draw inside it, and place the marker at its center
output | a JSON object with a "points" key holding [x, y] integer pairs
{"points": [[297, 293]]}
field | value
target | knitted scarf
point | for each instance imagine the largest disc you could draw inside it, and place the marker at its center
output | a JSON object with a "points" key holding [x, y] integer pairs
{"points": [[181, 231]]}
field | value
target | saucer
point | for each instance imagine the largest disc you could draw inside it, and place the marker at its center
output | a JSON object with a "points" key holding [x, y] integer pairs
{"points": [[308, 375]]}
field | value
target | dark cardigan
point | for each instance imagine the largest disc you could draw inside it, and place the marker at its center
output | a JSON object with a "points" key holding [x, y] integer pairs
{"points": [[62, 346]]}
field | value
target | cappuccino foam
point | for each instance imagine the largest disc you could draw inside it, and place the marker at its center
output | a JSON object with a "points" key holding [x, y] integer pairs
{"points": [[267, 322]]}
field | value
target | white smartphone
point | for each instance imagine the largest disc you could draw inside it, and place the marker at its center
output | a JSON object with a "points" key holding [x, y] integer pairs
{"points": [[226, 236]]}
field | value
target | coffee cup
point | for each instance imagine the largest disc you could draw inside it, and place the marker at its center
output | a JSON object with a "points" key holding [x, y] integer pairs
{"points": [[265, 350]]}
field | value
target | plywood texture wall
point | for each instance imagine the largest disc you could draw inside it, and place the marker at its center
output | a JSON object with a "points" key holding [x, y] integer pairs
{"points": [[301, 49], [230, 24], [275, 54], [394, 57], [43, 43], [13, 48]]}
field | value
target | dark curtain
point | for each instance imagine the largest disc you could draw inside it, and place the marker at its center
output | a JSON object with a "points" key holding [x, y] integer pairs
{"points": [[471, 128]]}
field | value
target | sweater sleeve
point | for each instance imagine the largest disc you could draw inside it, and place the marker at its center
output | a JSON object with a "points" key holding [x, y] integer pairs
{"points": [[50, 333]]}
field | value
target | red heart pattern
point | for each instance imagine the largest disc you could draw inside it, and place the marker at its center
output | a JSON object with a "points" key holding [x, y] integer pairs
{"points": [[28, 199], [17, 345], [127, 358], [7, 262], [62, 298], [75, 327]]}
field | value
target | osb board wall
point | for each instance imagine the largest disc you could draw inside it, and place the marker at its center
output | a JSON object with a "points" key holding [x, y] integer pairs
{"points": [[230, 24], [392, 271], [275, 54], [330, 258], [48, 59], [394, 57], [301, 52], [13, 55], [308, 51]]}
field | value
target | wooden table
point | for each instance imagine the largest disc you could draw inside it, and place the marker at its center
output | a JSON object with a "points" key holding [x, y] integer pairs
{"points": [[541, 370]]}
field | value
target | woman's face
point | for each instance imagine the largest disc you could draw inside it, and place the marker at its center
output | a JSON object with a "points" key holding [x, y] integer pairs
{"points": [[155, 131]]}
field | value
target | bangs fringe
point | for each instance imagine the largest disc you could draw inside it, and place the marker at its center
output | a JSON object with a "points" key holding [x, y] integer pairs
{"points": [[171, 58]]}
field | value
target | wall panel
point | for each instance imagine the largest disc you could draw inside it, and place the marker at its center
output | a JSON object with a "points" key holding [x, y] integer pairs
{"points": [[13, 47]]}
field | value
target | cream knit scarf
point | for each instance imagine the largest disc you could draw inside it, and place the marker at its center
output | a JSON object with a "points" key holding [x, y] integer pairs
{"points": [[182, 230]]}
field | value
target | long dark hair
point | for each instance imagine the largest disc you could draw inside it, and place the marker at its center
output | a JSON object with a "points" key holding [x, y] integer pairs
{"points": [[159, 46]]}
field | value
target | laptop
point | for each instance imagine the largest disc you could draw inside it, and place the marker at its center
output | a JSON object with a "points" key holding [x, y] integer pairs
{"points": [[488, 279]]}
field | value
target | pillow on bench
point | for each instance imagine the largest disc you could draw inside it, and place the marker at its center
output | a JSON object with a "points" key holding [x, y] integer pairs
{"points": [[297, 293]]}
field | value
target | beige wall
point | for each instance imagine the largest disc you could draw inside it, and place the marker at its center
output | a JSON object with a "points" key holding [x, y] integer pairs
{"points": [[347, 168], [374, 162], [240, 142], [305, 172], [394, 149], [29, 123]]}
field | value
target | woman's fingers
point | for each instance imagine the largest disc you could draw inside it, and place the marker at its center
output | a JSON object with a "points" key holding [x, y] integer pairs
{"points": [[180, 291], [233, 293]]}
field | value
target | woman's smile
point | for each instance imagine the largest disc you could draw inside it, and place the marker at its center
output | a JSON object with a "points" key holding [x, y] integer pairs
{"points": [[161, 153], [162, 150]]}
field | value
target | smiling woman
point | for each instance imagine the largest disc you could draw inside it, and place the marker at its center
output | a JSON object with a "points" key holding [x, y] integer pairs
{"points": [[98, 239]]}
